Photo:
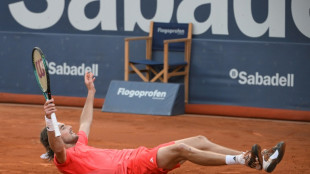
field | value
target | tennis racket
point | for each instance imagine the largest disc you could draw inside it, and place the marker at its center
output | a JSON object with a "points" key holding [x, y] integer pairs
{"points": [[42, 76]]}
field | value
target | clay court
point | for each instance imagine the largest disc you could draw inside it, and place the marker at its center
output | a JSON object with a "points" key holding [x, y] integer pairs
{"points": [[21, 149]]}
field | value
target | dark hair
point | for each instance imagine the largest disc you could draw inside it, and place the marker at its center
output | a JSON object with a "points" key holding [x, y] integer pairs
{"points": [[44, 141]]}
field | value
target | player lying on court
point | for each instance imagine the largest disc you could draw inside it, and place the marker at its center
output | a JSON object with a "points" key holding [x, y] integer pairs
{"points": [[71, 154]]}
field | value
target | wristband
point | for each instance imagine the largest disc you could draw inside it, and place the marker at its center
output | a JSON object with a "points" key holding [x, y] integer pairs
{"points": [[55, 124], [49, 124]]}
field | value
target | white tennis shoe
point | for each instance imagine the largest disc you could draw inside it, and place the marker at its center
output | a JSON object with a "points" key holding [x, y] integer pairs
{"points": [[273, 156]]}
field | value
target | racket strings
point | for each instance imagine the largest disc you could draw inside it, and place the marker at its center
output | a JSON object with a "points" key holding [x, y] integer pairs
{"points": [[40, 70]]}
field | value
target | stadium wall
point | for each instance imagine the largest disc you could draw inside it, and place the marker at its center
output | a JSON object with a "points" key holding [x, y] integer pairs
{"points": [[249, 58]]}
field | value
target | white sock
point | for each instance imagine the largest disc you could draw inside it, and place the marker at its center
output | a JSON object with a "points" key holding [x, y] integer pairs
{"points": [[235, 159]]}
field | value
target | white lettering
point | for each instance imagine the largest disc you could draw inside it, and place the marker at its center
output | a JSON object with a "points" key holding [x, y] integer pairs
{"points": [[59, 70], [218, 18], [282, 81], [41, 20], [257, 79], [292, 80], [171, 31], [251, 80], [68, 70], [217, 21], [106, 15], [267, 80], [243, 79], [139, 93], [74, 70], [275, 21], [301, 16], [133, 15], [51, 68]]}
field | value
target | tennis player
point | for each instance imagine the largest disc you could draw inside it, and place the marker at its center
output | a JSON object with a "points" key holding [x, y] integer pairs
{"points": [[71, 154]]}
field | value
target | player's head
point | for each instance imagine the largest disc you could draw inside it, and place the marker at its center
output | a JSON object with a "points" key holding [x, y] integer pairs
{"points": [[67, 135]]}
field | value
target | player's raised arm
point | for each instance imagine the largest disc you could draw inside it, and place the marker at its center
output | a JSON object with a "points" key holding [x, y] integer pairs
{"points": [[87, 113], [56, 143]]}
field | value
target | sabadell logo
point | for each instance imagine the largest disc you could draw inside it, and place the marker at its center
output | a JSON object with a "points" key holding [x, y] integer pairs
{"points": [[72, 70], [256, 78]]}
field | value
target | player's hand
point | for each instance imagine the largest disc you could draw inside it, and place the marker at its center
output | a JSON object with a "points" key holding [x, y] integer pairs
{"points": [[89, 81], [49, 108]]}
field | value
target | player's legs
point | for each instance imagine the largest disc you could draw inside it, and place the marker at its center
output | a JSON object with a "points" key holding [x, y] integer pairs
{"points": [[202, 143], [170, 156], [200, 150]]}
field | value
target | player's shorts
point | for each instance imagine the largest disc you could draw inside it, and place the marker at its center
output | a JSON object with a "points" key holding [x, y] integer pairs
{"points": [[145, 161]]}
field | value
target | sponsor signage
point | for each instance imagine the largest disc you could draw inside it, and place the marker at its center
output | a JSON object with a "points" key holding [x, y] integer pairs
{"points": [[245, 53], [235, 19], [252, 74], [257, 79], [72, 70], [144, 98], [157, 95]]}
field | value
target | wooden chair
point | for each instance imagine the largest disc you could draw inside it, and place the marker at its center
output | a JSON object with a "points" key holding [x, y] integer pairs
{"points": [[165, 37]]}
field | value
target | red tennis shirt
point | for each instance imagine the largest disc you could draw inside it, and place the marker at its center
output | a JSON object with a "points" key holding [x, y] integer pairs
{"points": [[82, 159], [85, 159]]}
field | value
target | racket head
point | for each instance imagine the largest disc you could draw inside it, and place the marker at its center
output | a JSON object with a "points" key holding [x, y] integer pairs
{"points": [[40, 69]]}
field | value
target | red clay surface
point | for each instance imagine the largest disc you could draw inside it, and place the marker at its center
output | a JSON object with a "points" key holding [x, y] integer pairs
{"points": [[20, 148]]}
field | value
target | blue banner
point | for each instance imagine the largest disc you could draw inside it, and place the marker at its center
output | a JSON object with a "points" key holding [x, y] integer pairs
{"points": [[244, 53]]}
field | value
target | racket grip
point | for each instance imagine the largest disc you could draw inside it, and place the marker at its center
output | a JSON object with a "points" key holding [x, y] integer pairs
{"points": [[55, 124]]}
